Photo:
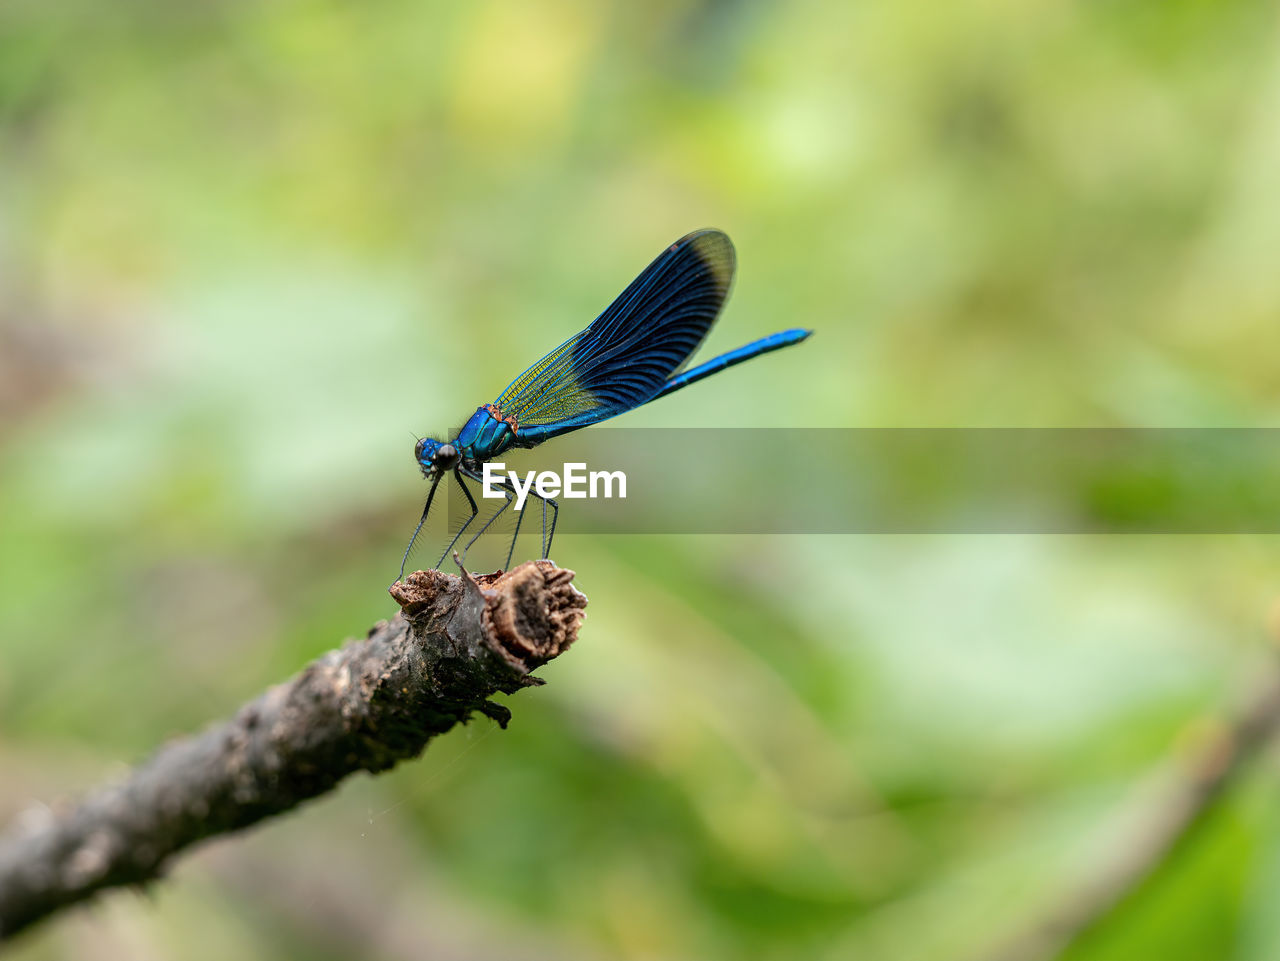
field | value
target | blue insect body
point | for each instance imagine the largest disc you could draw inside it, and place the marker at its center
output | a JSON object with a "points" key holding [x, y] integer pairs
{"points": [[631, 354]]}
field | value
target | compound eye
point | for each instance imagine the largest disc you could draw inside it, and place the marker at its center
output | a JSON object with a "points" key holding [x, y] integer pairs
{"points": [[446, 457]]}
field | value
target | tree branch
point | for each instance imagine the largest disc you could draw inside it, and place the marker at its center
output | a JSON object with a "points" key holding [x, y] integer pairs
{"points": [[456, 642]]}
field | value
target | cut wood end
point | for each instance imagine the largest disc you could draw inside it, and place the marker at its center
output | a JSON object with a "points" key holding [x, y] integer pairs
{"points": [[531, 613]]}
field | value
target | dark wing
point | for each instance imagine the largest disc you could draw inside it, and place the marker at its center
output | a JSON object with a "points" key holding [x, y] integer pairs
{"points": [[625, 357]]}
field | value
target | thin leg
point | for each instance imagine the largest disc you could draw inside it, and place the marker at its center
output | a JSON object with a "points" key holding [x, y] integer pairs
{"points": [[514, 537], [545, 542], [476, 536], [474, 511], [422, 520], [505, 484], [555, 515]]}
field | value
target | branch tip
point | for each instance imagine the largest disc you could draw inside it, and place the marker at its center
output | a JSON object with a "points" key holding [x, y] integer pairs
{"points": [[365, 707]]}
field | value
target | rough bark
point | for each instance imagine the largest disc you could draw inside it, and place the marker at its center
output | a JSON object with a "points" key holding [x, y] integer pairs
{"points": [[455, 643]]}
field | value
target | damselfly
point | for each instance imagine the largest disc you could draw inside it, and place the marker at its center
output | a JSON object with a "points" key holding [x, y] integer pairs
{"points": [[632, 354]]}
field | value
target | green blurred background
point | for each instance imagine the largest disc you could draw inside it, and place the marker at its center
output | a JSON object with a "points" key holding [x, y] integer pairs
{"points": [[246, 249]]}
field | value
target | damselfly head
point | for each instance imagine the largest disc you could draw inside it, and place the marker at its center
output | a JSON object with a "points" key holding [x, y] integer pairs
{"points": [[434, 457]]}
